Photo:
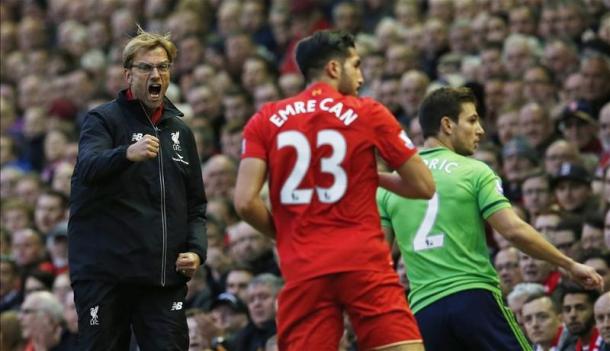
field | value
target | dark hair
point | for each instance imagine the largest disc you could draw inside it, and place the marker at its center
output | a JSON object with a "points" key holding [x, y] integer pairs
{"points": [[573, 288], [594, 219], [443, 102], [596, 254], [571, 224], [313, 52]]}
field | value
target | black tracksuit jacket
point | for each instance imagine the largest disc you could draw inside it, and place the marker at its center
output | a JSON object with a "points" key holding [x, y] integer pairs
{"points": [[130, 220]]}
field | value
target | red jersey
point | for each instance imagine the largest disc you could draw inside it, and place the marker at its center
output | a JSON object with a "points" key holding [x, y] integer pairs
{"points": [[319, 147]]}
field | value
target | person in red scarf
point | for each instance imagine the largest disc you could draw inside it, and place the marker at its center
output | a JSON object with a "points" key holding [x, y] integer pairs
{"points": [[580, 333]]}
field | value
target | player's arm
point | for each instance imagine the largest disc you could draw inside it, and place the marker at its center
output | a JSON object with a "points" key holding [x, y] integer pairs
{"points": [[248, 203], [414, 180], [527, 239]]}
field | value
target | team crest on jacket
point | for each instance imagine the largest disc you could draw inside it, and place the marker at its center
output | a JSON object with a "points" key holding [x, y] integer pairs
{"points": [[176, 140], [177, 148]]}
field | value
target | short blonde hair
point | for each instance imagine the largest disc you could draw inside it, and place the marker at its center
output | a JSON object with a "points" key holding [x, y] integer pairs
{"points": [[149, 41]]}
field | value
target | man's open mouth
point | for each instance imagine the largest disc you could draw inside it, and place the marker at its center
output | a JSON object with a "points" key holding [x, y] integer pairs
{"points": [[154, 90]]}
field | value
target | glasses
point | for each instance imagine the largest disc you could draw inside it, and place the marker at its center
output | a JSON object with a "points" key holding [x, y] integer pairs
{"points": [[25, 310], [535, 191], [148, 68], [507, 266], [565, 246]]}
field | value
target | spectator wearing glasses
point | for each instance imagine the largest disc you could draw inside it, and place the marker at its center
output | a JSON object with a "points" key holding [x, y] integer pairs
{"points": [[507, 265], [41, 318], [558, 152], [536, 192]]}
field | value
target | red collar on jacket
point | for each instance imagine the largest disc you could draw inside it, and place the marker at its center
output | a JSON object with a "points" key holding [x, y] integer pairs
{"points": [[157, 113]]}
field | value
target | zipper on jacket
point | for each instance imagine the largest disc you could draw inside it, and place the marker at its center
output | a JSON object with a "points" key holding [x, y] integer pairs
{"points": [[162, 185], [163, 210]]}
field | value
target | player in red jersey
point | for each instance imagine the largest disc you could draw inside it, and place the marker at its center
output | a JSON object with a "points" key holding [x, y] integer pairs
{"points": [[318, 149]]}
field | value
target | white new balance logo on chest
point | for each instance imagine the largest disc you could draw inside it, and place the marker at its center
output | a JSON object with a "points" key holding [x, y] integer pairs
{"points": [[176, 306]]}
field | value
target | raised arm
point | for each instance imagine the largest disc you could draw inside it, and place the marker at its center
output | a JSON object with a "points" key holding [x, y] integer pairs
{"points": [[414, 180], [528, 240], [248, 203]]}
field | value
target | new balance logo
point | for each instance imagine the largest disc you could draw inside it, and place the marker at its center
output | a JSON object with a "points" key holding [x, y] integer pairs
{"points": [[137, 136], [93, 311], [176, 306]]}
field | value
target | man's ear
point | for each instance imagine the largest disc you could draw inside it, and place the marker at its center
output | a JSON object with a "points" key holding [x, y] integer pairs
{"points": [[128, 76], [446, 125], [333, 69]]}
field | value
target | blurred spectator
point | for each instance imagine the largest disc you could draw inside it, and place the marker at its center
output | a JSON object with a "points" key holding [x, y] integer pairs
{"points": [[561, 57], [219, 176], [250, 248], [520, 293], [506, 263], [28, 187], [42, 320], [62, 175], [37, 280], [413, 86], [547, 221], [28, 250], [261, 298], [51, 207], [16, 215], [537, 196], [10, 285], [536, 126], [57, 247], [522, 20], [238, 279], [572, 188], [595, 73], [592, 237], [347, 16], [10, 332], [566, 237], [601, 310], [558, 152], [603, 134], [577, 315], [601, 262], [538, 271], [229, 314], [542, 321], [231, 139], [519, 160], [579, 127], [507, 126]]}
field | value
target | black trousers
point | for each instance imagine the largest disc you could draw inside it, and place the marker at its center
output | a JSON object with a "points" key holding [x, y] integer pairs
{"points": [[108, 312], [470, 320]]}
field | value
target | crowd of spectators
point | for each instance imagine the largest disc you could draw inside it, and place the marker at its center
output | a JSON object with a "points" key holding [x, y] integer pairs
{"points": [[540, 68]]}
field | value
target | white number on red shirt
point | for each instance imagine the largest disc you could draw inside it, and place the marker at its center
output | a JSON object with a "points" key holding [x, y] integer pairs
{"points": [[290, 194]]}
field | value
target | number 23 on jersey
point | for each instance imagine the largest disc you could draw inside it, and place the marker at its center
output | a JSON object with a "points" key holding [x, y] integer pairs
{"points": [[290, 193]]}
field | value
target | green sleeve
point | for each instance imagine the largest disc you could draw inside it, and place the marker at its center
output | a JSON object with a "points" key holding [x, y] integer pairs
{"points": [[382, 198], [490, 195]]}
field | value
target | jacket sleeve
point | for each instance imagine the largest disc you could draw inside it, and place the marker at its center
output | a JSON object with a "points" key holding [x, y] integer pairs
{"points": [[197, 202], [97, 158]]}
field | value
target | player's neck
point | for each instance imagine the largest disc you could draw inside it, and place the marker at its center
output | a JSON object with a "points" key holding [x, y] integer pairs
{"points": [[328, 80], [438, 141]]}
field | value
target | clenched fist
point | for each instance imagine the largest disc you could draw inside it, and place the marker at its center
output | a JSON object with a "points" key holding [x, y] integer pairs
{"points": [[143, 149]]}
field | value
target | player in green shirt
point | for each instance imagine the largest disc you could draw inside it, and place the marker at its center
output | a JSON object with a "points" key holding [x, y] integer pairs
{"points": [[455, 292]]}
